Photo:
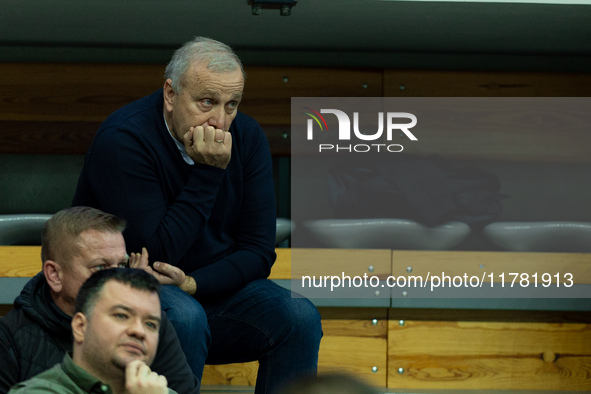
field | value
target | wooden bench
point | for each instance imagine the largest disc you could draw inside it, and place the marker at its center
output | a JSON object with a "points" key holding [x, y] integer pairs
{"points": [[426, 344]]}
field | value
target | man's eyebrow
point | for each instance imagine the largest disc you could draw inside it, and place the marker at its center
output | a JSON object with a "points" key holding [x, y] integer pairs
{"points": [[214, 93], [99, 260], [208, 93], [132, 311], [102, 260]]}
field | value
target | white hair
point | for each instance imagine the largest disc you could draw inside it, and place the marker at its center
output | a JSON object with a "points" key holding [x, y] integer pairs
{"points": [[217, 56]]}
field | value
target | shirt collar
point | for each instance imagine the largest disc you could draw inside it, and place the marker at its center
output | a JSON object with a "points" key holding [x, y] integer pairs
{"points": [[83, 379], [180, 146]]}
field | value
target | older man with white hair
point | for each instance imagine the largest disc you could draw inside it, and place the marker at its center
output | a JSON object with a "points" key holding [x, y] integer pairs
{"points": [[193, 178]]}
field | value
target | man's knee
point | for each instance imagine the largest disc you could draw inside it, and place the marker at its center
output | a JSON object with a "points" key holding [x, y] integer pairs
{"points": [[304, 319], [182, 309]]}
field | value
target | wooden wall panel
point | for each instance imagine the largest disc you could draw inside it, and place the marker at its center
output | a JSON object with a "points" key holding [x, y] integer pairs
{"points": [[57, 108], [268, 90], [320, 261], [489, 355], [25, 262], [20, 261], [484, 84], [497, 139], [238, 374], [72, 92], [478, 263], [355, 341]]}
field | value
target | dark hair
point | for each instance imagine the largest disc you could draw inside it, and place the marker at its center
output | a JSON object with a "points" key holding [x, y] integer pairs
{"points": [[91, 289], [60, 231]]}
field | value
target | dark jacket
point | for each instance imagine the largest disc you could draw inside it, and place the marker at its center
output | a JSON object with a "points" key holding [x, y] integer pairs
{"points": [[36, 334]]}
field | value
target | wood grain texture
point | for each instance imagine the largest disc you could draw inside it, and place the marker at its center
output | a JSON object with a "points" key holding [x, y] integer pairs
{"points": [[510, 129], [268, 90], [495, 139], [476, 263], [72, 92], [351, 343], [355, 355], [355, 341], [337, 261], [25, 261], [238, 374], [20, 261], [489, 355], [74, 138], [57, 108], [408, 83]]}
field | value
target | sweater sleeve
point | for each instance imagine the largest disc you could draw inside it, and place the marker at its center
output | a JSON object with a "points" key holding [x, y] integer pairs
{"points": [[254, 239], [170, 361]]}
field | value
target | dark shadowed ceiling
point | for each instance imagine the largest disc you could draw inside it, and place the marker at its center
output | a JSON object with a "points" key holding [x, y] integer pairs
{"points": [[366, 33]]}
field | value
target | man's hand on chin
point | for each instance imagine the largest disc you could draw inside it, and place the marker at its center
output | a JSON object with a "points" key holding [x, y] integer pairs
{"points": [[140, 379]]}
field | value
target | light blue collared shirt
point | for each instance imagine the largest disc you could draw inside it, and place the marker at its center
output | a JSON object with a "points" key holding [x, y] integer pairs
{"points": [[179, 145]]}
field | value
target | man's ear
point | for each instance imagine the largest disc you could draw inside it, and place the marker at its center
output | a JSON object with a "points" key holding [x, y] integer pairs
{"points": [[169, 93], [79, 325], [53, 275]]}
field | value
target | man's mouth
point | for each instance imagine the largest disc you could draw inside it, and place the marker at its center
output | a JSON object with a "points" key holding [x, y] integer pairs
{"points": [[133, 347]]}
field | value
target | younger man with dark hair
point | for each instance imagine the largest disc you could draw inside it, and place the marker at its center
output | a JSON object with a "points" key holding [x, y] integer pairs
{"points": [[115, 332]]}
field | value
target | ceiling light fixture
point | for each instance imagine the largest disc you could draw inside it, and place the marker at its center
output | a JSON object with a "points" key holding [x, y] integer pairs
{"points": [[284, 6]]}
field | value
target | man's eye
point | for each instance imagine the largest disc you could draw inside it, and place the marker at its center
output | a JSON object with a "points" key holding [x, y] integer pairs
{"points": [[233, 104], [123, 265], [207, 102], [100, 267], [120, 316], [152, 326]]}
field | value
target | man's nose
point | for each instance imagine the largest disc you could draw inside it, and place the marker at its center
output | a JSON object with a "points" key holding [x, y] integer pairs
{"points": [[137, 329], [218, 119]]}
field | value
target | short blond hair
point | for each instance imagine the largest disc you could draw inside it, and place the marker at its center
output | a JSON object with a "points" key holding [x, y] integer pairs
{"points": [[60, 233]]}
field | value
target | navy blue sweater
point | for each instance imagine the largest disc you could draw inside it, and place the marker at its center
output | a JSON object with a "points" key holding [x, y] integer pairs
{"points": [[216, 225]]}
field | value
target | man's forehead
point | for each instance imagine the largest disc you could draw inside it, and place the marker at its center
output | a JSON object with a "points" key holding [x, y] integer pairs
{"points": [[96, 239], [117, 294], [200, 70]]}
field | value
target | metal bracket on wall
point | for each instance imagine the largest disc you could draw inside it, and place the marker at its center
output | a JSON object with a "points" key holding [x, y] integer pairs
{"points": [[284, 6]]}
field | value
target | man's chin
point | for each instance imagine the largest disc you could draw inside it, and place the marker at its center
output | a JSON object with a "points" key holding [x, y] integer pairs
{"points": [[122, 360]]}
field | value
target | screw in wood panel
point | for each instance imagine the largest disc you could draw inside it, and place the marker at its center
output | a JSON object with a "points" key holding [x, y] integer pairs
{"points": [[549, 356]]}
